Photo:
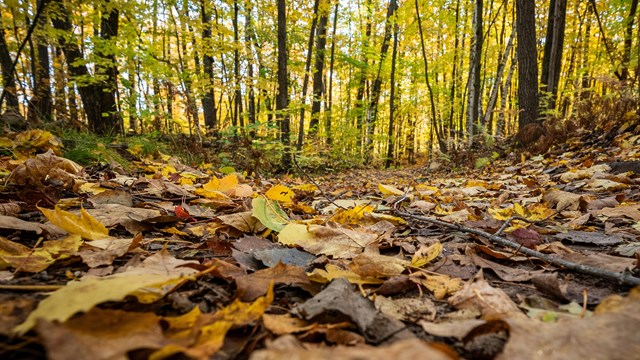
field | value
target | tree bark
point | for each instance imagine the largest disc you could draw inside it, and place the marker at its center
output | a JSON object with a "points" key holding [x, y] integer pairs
{"points": [[493, 97], [628, 41], [434, 125], [282, 98], [527, 63], [329, 103], [392, 98], [6, 65], [98, 97], [552, 57], [208, 100], [318, 73], [473, 111], [372, 111], [239, 113], [251, 94], [305, 80], [40, 104]]}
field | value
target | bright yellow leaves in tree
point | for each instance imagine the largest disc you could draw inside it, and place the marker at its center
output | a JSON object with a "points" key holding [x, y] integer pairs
{"points": [[84, 224]]}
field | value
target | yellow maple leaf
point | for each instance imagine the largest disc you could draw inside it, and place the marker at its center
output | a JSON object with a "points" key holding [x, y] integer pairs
{"points": [[280, 193], [226, 185], [84, 224]]}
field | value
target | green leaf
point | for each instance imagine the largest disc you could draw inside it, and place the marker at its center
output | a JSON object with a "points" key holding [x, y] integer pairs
{"points": [[269, 214]]}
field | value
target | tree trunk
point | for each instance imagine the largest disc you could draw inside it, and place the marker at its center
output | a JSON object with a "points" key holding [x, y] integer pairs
{"points": [[496, 85], [329, 103], [392, 98], [628, 41], [238, 114], [372, 111], [282, 98], [360, 107], [434, 125], [552, 57], [208, 100], [318, 73], [6, 65], [251, 95], [40, 104], [527, 63], [305, 80], [98, 97], [473, 111]]}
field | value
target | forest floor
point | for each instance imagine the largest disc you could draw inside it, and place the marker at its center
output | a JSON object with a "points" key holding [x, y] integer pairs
{"points": [[526, 258]]}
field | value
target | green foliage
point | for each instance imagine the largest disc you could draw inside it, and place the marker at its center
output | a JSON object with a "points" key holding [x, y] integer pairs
{"points": [[88, 149]]}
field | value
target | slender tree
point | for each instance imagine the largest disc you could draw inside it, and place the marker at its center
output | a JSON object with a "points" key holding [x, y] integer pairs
{"points": [[305, 80], [552, 57], [432, 102], [473, 111], [98, 96], [329, 103], [392, 98], [208, 99], [6, 65], [628, 41], [318, 72], [527, 62], [282, 98], [372, 111]]}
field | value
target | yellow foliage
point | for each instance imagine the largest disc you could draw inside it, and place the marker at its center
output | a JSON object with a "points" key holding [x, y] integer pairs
{"points": [[84, 224]]}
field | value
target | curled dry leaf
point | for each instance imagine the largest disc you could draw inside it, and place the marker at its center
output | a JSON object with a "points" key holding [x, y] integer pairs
{"points": [[45, 169]]}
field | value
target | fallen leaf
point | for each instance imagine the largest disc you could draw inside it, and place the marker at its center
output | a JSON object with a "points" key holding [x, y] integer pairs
{"points": [[318, 239], [252, 286], [280, 193], [270, 214], [84, 224], [148, 283]]}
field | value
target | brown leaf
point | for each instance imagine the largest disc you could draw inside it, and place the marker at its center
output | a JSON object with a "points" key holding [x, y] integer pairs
{"points": [[489, 301], [611, 334], [255, 285], [101, 334]]}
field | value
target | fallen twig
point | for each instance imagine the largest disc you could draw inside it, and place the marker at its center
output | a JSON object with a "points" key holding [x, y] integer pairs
{"points": [[316, 184], [623, 278]]}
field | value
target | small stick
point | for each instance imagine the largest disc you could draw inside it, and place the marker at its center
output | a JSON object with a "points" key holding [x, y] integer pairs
{"points": [[623, 278], [315, 183]]}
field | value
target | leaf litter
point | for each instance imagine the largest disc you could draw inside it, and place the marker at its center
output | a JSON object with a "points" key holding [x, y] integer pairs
{"points": [[536, 258]]}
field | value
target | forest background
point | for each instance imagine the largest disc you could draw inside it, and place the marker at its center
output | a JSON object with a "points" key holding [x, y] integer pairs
{"points": [[344, 82]]}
